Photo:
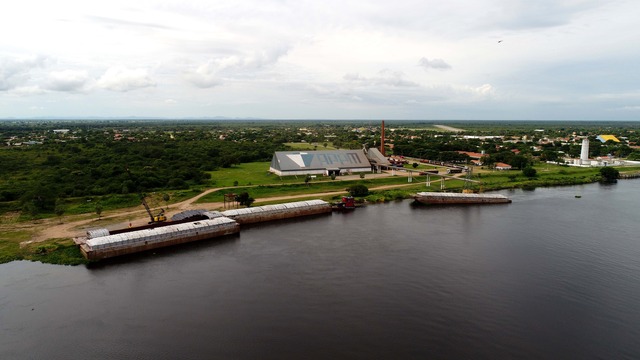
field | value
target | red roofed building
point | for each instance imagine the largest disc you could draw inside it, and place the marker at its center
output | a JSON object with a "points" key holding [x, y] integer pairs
{"points": [[502, 166], [473, 155]]}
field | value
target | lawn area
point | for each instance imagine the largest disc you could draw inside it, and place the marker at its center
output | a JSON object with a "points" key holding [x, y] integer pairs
{"points": [[299, 188], [255, 173], [53, 251], [10, 244]]}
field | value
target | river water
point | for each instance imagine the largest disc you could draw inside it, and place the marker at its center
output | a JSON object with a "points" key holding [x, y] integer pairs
{"points": [[550, 276]]}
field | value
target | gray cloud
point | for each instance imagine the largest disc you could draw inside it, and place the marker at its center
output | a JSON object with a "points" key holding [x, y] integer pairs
{"points": [[204, 76], [123, 79], [386, 78], [523, 14], [16, 72], [212, 73], [67, 80], [437, 64]]}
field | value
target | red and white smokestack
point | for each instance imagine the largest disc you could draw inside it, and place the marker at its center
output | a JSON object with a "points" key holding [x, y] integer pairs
{"points": [[382, 140]]}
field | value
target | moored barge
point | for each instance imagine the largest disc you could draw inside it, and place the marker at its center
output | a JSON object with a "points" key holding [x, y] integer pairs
{"points": [[442, 198], [102, 247], [188, 226]]}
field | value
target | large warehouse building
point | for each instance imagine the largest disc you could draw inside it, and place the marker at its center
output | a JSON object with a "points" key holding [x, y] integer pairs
{"points": [[325, 162]]}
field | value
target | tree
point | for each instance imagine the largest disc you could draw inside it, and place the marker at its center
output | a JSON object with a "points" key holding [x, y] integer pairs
{"points": [[358, 190], [609, 174], [99, 210], [519, 162], [415, 165], [59, 210], [529, 172], [244, 199]]}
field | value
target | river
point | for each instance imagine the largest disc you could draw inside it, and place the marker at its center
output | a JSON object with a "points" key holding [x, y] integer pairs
{"points": [[550, 276]]}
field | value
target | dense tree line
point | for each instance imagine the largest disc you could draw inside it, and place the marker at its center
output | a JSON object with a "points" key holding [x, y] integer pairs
{"points": [[98, 164]]}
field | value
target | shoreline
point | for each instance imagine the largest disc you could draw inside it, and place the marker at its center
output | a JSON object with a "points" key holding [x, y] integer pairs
{"points": [[62, 251]]}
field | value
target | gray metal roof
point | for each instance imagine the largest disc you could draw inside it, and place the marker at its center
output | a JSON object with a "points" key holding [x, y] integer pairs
{"points": [[276, 207], [158, 234], [318, 160], [376, 157]]}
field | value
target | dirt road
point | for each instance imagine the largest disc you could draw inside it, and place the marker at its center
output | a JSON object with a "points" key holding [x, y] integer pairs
{"points": [[74, 226]]}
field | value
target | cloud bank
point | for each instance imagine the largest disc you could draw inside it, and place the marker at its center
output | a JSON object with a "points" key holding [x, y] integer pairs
{"points": [[306, 59]]}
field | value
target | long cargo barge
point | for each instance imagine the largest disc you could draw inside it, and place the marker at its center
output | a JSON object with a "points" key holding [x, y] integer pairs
{"points": [[189, 226], [442, 198], [278, 212], [102, 247]]}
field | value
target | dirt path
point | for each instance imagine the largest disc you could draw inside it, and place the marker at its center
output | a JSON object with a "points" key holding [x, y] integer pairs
{"points": [[53, 229]]}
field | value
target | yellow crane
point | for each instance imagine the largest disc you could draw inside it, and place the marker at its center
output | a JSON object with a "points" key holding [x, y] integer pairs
{"points": [[160, 217]]}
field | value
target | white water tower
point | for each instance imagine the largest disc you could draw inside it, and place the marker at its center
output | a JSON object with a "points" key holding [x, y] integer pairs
{"points": [[584, 153]]}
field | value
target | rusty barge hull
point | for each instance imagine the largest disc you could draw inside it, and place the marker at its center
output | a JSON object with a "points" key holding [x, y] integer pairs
{"points": [[437, 198], [148, 239]]}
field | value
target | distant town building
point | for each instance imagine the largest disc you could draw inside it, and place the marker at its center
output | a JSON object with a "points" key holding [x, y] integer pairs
{"points": [[471, 155], [503, 166], [605, 138]]}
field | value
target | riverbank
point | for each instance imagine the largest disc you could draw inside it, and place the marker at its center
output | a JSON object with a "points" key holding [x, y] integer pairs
{"points": [[49, 240]]}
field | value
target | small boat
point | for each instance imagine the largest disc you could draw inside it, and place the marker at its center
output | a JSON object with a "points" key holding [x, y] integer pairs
{"points": [[347, 203]]}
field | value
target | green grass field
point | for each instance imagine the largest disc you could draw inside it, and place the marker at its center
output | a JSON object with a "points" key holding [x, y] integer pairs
{"points": [[298, 187]]}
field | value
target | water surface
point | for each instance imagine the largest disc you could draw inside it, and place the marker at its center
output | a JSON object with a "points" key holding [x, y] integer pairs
{"points": [[548, 276]]}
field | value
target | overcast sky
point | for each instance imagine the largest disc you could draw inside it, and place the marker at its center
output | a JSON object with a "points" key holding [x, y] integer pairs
{"points": [[329, 59]]}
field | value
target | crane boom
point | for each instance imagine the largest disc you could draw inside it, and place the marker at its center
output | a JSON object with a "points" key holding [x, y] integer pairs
{"points": [[154, 218]]}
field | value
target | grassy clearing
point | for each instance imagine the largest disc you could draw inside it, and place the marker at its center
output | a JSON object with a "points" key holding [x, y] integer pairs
{"points": [[87, 205], [256, 173], [300, 188], [10, 245], [54, 251]]}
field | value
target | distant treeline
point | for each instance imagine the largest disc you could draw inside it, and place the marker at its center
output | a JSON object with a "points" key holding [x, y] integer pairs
{"points": [[97, 164]]}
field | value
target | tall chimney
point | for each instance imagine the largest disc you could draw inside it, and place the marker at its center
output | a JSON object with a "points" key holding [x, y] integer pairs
{"points": [[382, 140]]}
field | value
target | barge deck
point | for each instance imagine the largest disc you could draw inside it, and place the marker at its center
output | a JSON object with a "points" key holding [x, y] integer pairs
{"points": [[441, 198]]}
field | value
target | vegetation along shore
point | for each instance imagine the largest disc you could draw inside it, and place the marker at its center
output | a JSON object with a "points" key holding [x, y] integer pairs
{"points": [[60, 178]]}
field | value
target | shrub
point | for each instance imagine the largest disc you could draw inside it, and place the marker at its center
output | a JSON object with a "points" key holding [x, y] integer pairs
{"points": [[244, 199], [529, 172], [609, 174], [358, 190]]}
